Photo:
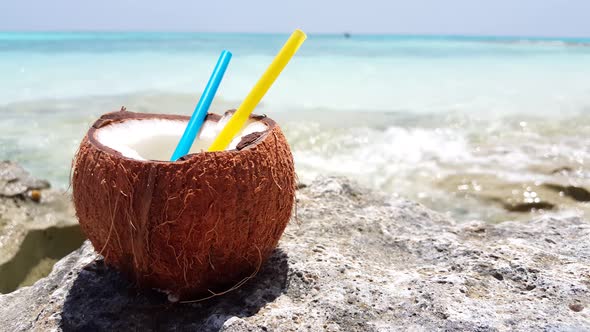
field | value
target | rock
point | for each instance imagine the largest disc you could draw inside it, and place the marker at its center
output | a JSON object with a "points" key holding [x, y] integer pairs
{"points": [[37, 227], [352, 261], [549, 192], [15, 180], [577, 193]]}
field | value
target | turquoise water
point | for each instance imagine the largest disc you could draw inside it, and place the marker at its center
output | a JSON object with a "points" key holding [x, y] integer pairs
{"points": [[399, 113], [366, 73]]}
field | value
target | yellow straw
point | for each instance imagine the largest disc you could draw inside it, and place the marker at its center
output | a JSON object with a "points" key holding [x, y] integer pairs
{"points": [[240, 117]]}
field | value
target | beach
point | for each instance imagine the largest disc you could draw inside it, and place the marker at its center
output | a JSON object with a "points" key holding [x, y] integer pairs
{"points": [[476, 127], [442, 182]]}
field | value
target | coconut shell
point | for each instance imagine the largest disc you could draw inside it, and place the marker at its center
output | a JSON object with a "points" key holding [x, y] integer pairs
{"points": [[194, 227]]}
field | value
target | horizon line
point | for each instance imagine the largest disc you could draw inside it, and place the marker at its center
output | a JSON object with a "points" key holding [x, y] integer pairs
{"points": [[351, 33]]}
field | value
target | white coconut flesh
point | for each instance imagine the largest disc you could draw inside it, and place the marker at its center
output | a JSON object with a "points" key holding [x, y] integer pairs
{"points": [[156, 139]]}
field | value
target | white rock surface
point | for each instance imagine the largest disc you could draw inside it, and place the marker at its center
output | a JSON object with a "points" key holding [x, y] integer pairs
{"points": [[352, 261]]}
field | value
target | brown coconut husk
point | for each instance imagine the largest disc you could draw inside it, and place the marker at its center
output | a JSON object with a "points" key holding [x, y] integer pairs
{"points": [[194, 227]]}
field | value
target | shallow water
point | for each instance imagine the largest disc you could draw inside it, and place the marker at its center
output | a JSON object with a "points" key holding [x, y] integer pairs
{"points": [[468, 126]]}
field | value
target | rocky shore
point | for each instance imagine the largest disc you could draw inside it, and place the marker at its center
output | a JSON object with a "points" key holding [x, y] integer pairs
{"points": [[37, 227], [352, 260]]}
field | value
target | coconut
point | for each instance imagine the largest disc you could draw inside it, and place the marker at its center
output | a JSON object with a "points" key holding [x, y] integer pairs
{"points": [[195, 227]]}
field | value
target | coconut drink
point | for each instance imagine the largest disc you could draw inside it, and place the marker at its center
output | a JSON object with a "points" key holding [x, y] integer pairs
{"points": [[198, 225], [203, 221]]}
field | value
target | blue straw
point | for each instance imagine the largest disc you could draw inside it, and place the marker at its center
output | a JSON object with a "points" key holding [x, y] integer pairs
{"points": [[198, 117]]}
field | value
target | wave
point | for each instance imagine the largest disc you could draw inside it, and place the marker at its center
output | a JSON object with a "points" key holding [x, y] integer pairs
{"points": [[429, 157]]}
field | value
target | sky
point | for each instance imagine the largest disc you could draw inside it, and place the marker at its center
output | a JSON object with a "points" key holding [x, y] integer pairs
{"points": [[551, 18]]}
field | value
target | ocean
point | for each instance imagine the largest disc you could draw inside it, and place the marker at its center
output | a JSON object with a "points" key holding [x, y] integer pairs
{"points": [[487, 128]]}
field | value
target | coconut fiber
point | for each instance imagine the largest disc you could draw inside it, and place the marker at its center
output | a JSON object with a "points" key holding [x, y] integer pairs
{"points": [[195, 227]]}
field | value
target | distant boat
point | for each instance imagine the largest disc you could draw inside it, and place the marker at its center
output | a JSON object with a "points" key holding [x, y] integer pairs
{"points": [[346, 35]]}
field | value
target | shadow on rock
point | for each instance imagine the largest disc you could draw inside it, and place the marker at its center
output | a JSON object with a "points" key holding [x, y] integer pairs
{"points": [[101, 299]]}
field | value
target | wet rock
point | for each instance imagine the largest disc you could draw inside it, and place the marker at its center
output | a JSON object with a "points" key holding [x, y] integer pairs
{"points": [[578, 193], [519, 198], [528, 207], [354, 261]]}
